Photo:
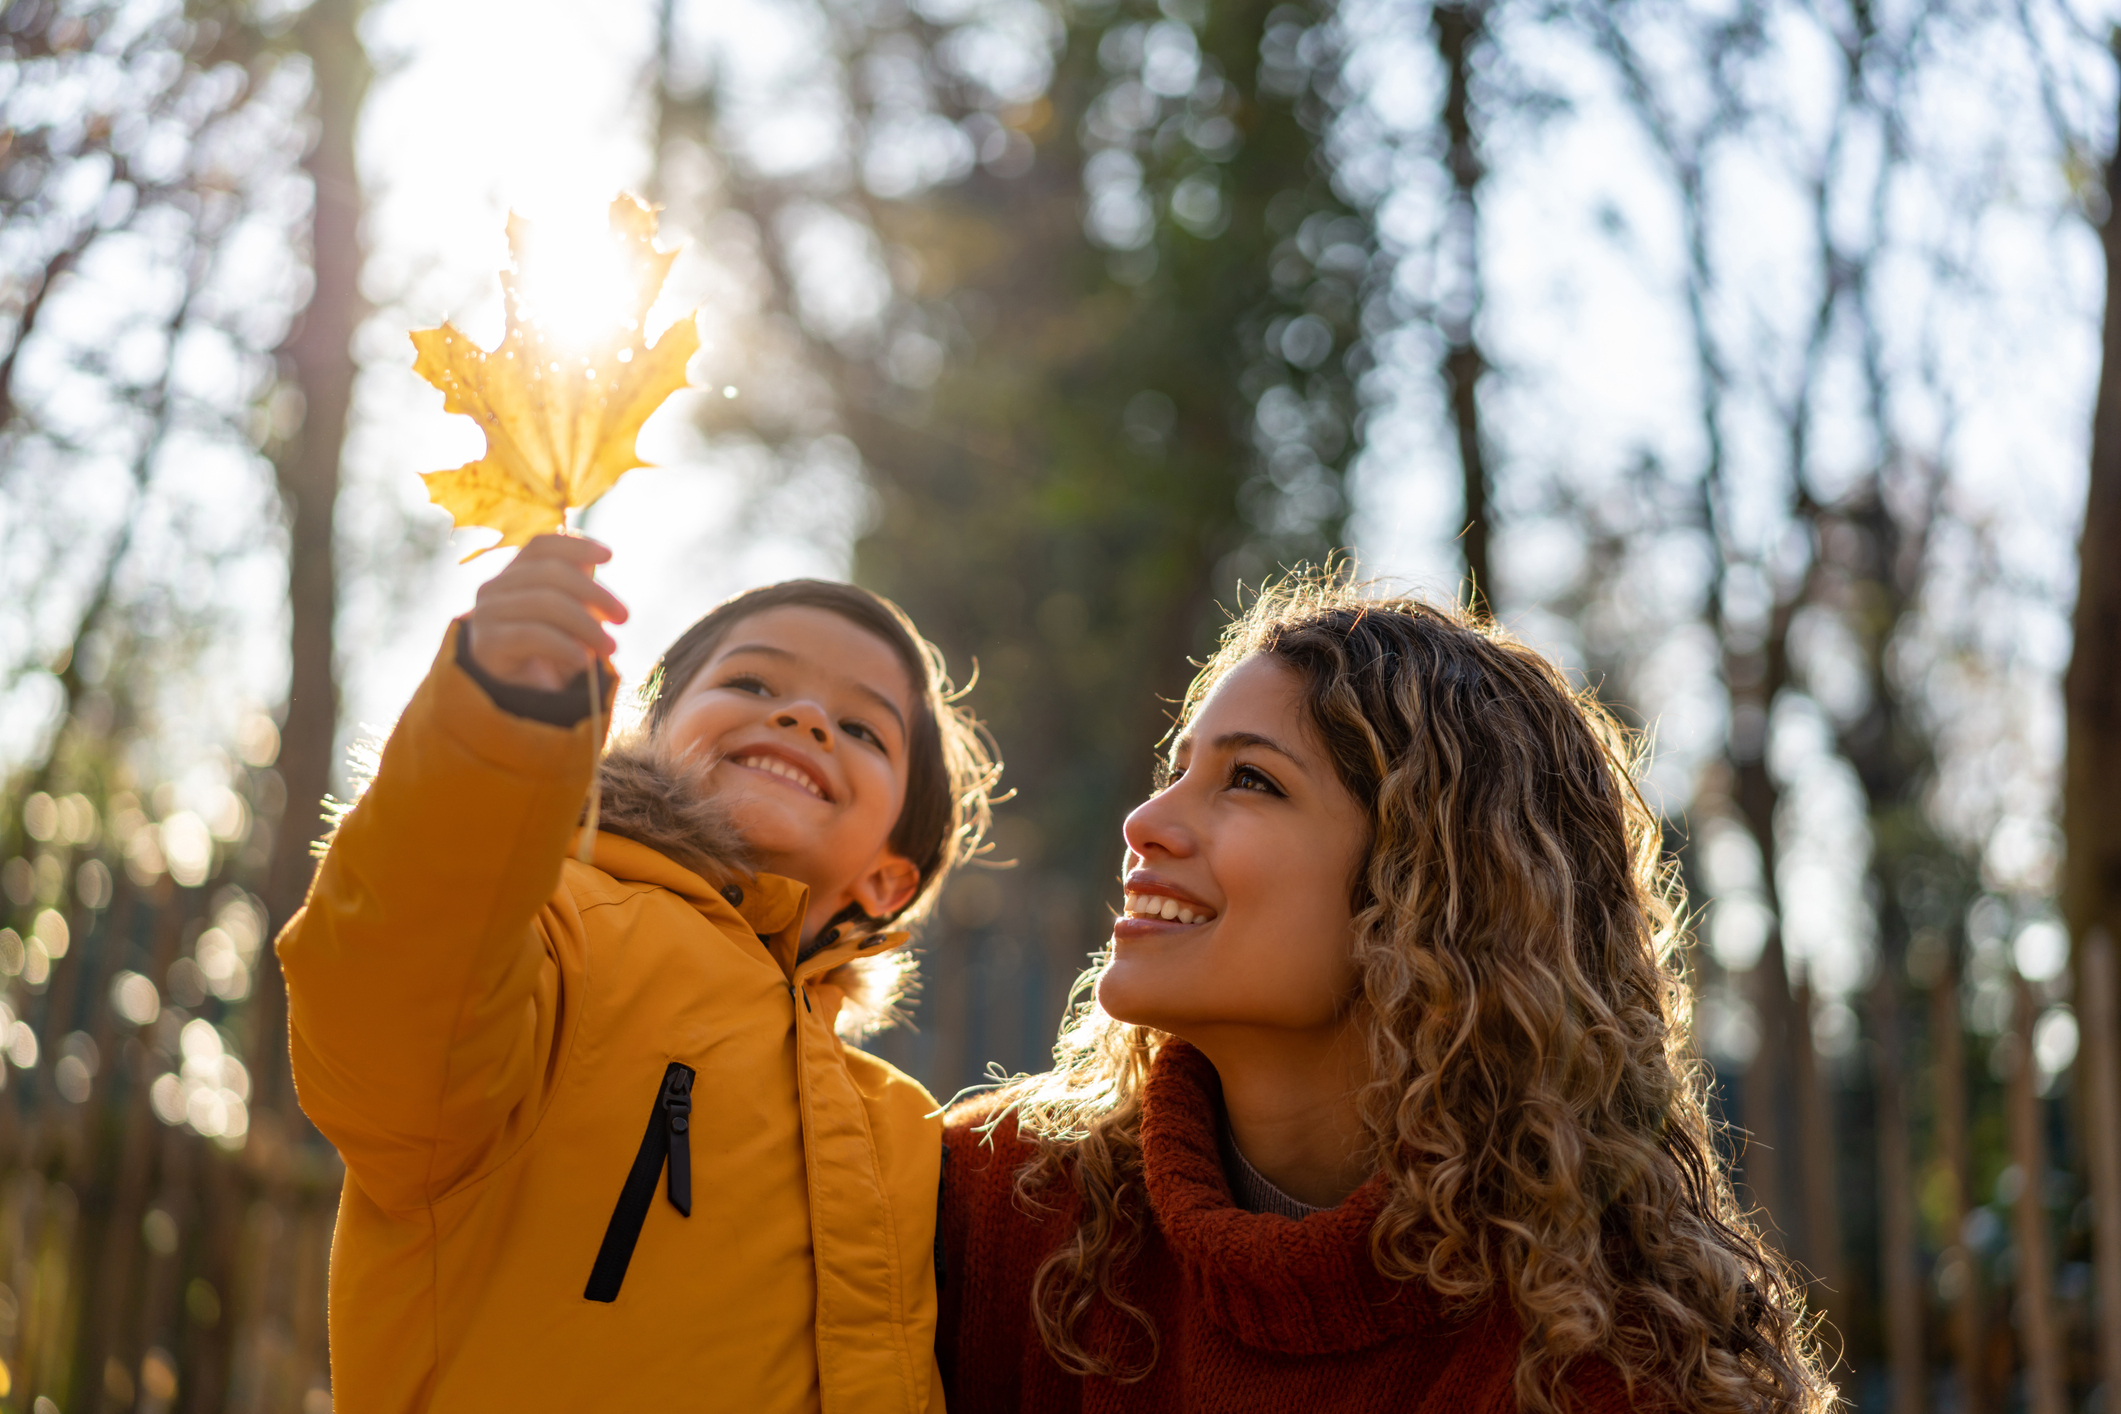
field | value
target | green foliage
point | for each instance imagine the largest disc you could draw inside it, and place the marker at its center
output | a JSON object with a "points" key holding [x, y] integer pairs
{"points": [[1150, 394]]}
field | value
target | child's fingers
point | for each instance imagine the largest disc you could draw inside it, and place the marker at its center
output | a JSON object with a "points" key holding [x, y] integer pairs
{"points": [[529, 655], [573, 549], [553, 608], [567, 579]]}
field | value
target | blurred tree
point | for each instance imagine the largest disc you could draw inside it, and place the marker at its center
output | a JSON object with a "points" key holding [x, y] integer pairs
{"points": [[1752, 594], [319, 357], [1820, 573], [1116, 375], [280, 1354], [2091, 806], [157, 181], [1460, 31]]}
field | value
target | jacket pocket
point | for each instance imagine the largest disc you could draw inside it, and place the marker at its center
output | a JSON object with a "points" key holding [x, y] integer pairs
{"points": [[668, 1142]]}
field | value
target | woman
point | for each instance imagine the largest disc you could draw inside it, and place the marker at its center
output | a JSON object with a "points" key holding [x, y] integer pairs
{"points": [[1384, 1100]]}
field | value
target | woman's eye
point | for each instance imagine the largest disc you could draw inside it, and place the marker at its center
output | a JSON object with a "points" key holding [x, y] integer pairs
{"points": [[1251, 778]]}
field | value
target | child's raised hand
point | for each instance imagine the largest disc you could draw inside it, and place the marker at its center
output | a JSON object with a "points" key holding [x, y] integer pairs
{"points": [[537, 622]]}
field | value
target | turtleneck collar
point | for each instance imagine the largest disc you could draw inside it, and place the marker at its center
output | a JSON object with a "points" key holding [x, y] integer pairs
{"points": [[1252, 1190], [1303, 1287]]}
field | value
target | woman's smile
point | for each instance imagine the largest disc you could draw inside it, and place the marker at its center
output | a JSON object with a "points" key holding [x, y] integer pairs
{"points": [[1156, 907], [1142, 906]]}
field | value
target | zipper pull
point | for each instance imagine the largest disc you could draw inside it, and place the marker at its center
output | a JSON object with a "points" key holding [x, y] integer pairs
{"points": [[677, 1120]]}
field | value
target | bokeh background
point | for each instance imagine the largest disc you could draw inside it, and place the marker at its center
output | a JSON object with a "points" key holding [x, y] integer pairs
{"points": [[1741, 354]]}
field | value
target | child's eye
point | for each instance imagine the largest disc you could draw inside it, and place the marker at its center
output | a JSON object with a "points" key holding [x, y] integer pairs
{"points": [[744, 682], [1167, 775], [862, 731], [1252, 778]]}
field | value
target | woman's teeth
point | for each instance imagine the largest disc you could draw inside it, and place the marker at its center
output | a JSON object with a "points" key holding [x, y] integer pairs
{"points": [[774, 766], [1161, 906]]}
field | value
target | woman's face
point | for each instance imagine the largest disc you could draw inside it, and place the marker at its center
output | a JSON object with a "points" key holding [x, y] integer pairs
{"points": [[1239, 874]]}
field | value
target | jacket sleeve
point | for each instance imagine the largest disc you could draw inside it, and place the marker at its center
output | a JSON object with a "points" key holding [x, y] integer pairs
{"points": [[424, 972]]}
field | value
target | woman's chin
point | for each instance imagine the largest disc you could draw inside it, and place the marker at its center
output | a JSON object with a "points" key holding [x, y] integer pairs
{"points": [[1132, 992]]}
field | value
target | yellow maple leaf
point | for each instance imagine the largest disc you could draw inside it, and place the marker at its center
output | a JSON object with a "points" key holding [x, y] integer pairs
{"points": [[561, 409]]}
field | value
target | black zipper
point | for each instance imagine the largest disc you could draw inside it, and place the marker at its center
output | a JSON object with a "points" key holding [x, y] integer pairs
{"points": [[668, 1142]]}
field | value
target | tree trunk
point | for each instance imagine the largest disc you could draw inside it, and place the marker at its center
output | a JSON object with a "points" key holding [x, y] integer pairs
{"points": [[2036, 1302], [1900, 1274], [319, 350], [2091, 807], [1949, 1050], [1822, 1211], [1459, 28], [1768, 1079], [2099, 1076]]}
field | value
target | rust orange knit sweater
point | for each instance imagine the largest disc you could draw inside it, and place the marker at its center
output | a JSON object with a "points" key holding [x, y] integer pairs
{"points": [[1253, 1311]]}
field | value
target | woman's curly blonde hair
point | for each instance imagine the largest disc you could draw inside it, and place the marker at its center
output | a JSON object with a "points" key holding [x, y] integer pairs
{"points": [[1536, 1108]]}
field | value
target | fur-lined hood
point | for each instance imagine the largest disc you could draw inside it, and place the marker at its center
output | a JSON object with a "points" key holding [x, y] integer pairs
{"points": [[653, 796]]}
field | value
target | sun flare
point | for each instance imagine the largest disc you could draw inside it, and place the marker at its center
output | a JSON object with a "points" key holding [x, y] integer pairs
{"points": [[578, 285], [564, 395]]}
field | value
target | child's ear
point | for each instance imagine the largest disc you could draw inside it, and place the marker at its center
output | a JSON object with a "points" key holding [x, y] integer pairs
{"points": [[888, 886]]}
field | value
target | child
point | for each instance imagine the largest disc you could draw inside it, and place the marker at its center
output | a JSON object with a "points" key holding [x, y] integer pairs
{"points": [[482, 1024]]}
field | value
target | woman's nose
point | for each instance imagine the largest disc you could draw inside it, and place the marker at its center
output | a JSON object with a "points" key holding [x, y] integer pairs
{"points": [[1159, 824], [806, 717]]}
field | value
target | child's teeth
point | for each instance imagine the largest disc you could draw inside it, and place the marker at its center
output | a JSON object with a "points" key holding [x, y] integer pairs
{"points": [[774, 767]]}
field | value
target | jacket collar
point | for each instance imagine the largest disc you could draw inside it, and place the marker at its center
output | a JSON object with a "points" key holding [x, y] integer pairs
{"points": [[766, 904], [1304, 1287], [769, 905]]}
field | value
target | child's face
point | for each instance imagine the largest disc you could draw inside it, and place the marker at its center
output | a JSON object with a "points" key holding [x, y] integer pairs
{"points": [[1254, 846], [806, 718]]}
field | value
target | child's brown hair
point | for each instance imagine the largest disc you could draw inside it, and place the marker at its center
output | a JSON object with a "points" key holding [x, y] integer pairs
{"points": [[951, 767]]}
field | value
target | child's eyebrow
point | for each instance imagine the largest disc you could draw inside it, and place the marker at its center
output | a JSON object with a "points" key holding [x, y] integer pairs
{"points": [[881, 699]]}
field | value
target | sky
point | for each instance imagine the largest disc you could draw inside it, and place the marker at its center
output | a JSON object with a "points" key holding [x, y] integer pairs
{"points": [[1594, 364], [551, 106], [481, 107]]}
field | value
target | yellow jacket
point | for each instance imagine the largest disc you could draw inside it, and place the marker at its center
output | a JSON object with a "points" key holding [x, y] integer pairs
{"points": [[483, 1026]]}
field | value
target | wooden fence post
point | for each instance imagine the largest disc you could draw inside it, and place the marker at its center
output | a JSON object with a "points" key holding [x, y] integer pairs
{"points": [[1948, 1050], [2099, 1070], [2036, 1324]]}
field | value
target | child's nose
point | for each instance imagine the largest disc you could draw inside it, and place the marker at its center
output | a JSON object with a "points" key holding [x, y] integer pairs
{"points": [[805, 717]]}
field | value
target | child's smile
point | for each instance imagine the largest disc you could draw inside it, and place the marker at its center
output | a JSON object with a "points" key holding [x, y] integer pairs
{"points": [[782, 767]]}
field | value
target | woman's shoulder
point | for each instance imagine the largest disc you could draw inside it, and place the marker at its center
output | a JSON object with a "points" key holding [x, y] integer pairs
{"points": [[982, 1131], [986, 1152]]}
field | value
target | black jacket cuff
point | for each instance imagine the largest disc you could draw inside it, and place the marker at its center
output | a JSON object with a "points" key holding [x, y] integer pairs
{"points": [[560, 709]]}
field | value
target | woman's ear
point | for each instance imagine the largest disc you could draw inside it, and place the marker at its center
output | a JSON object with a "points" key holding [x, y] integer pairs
{"points": [[889, 885]]}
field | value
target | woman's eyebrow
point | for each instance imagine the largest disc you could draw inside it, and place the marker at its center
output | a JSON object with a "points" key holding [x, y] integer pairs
{"points": [[1236, 741], [883, 699]]}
